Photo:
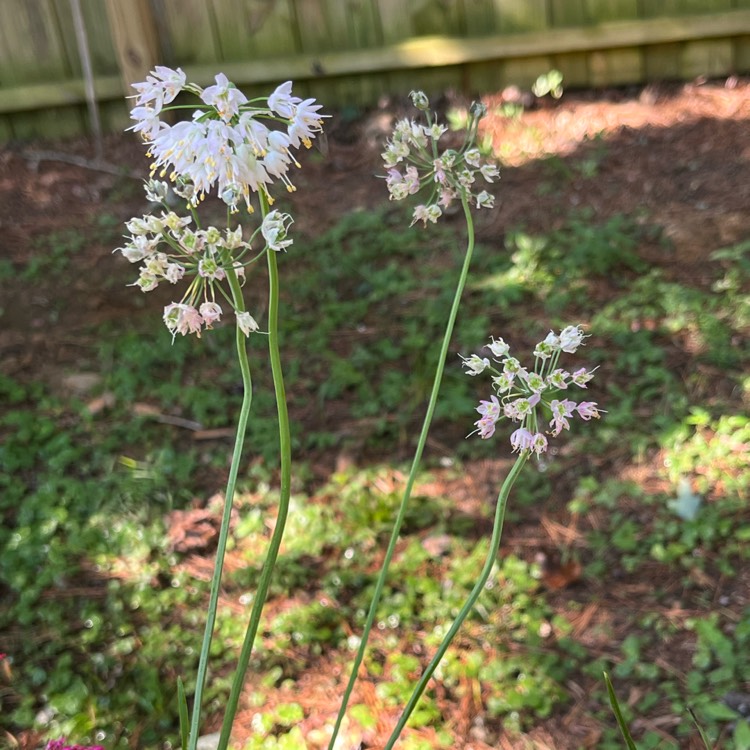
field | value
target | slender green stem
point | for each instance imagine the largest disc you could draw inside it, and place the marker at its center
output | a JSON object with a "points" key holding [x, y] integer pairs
{"points": [[412, 473], [247, 398], [285, 492], [497, 532]]}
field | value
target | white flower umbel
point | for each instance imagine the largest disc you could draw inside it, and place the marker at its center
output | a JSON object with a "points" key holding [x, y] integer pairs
{"points": [[228, 143], [526, 394], [415, 162], [232, 145]]}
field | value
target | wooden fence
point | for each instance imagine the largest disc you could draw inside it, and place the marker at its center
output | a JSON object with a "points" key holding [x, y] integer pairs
{"points": [[58, 55]]}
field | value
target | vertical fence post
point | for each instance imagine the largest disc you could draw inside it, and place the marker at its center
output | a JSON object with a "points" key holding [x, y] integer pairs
{"points": [[88, 77], [135, 37]]}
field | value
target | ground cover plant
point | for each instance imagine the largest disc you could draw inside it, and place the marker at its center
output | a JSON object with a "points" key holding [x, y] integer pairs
{"points": [[634, 563]]}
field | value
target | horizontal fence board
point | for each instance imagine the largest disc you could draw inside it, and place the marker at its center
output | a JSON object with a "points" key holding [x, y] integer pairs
{"points": [[42, 95]]}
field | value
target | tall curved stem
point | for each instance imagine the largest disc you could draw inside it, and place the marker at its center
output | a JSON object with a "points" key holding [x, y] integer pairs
{"points": [[497, 532], [284, 496], [247, 397], [412, 473]]}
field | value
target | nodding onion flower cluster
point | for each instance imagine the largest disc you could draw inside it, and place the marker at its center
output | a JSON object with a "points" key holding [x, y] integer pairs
{"points": [[414, 162], [170, 250], [523, 394], [226, 145], [227, 142]]}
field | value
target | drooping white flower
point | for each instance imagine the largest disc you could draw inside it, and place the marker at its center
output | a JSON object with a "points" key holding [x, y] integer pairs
{"points": [[545, 349], [539, 443], [183, 319], [225, 97], [582, 376], [426, 213], [306, 122], [558, 378], [521, 440], [498, 348], [162, 86], [475, 364], [571, 338], [485, 200], [210, 312], [282, 102], [246, 322], [274, 230], [588, 410], [561, 410]]}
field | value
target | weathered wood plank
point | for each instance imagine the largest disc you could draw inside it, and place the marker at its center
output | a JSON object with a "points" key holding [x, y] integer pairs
{"points": [[255, 29], [574, 67], [741, 54], [331, 25], [706, 58], [6, 129], [516, 16], [115, 116], [616, 67], [134, 34], [63, 93], [405, 20], [481, 17], [31, 48], [328, 25], [101, 46], [524, 71], [666, 8], [568, 13], [601, 11], [661, 62], [188, 33]]}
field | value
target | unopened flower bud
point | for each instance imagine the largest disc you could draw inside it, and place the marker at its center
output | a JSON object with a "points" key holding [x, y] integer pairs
{"points": [[419, 100], [477, 110]]}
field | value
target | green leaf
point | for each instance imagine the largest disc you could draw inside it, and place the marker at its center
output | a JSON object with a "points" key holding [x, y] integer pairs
{"points": [[183, 711], [618, 714], [742, 736], [700, 729], [687, 504]]}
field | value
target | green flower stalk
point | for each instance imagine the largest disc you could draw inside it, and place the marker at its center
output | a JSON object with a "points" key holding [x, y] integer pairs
{"points": [[497, 531], [445, 177], [285, 444], [225, 147], [525, 396]]}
